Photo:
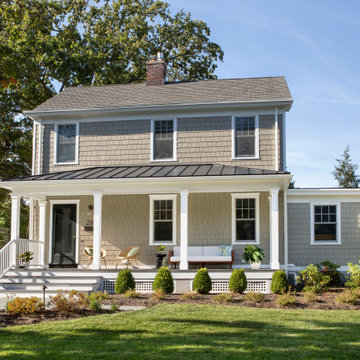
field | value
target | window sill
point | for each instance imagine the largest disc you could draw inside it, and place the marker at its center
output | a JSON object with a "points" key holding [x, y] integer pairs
{"points": [[164, 160], [325, 243], [66, 163], [163, 243], [246, 158], [245, 243]]}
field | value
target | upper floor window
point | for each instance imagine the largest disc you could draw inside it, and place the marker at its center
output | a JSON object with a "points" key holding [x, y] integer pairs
{"points": [[66, 143], [325, 224], [163, 140], [245, 218], [245, 137]]}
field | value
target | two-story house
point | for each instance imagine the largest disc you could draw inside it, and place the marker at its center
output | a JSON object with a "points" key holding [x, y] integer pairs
{"points": [[188, 165]]}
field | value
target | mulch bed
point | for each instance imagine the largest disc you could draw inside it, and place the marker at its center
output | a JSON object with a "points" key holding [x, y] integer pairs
{"points": [[325, 301]]}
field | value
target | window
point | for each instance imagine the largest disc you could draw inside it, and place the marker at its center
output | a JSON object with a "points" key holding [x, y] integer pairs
{"points": [[66, 143], [162, 219], [325, 224], [245, 137], [245, 218], [163, 140]]}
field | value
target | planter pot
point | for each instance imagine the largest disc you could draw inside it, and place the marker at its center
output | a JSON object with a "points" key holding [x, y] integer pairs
{"points": [[255, 265], [27, 264]]}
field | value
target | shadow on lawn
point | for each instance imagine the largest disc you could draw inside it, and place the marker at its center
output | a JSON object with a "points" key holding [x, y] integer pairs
{"points": [[166, 337]]}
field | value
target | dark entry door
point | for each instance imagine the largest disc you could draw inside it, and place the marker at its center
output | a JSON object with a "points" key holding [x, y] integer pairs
{"points": [[64, 235]]}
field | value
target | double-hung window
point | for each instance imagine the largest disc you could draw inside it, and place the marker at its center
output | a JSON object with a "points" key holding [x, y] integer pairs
{"points": [[245, 218], [163, 140], [245, 137], [325, 220], [66, 143], [162, 219]]}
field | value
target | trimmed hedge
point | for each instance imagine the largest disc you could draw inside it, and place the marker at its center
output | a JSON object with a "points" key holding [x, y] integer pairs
{"points": [[164, 281], [202, 282], [279, 282], [238, 282], [124, 282]]}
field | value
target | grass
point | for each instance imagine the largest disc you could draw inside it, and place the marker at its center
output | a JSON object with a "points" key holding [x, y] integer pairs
{"points": [[190, 332]]}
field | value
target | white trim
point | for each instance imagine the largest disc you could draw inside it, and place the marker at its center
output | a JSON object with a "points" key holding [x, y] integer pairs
{"points": [[286, 239], [338, 223], [274, 229], [257, 137], [56, 130], [152, 137], [235, 196], [64, 202], [33, 149], [31, 219], [184, 226], [97, 221], [276, 139], [172, 197], [284, 140], [40, 146]]}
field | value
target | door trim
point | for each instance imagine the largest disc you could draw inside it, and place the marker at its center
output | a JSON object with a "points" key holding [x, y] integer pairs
{"points": [[64, 202]]}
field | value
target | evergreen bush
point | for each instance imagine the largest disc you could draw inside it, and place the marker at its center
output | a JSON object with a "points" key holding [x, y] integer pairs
{"points": [[124, 282], [279, 282], [202, 282], [163, 280], [238, 282]]}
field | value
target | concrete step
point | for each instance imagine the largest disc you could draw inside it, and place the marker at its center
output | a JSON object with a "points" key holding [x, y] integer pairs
{"points": [[48, 280], [33, 292], [55, 287]]}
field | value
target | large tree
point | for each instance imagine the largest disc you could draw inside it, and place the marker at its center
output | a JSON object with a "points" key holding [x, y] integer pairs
{"points": [[48, 45], [345, 171]]}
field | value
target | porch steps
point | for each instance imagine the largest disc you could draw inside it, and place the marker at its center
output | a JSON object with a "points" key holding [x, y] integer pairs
{"points": [[30, 283]]}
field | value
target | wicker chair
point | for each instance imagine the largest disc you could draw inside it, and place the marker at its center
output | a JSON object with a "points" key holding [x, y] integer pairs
{"points": [[128, 255], [88, 251]]}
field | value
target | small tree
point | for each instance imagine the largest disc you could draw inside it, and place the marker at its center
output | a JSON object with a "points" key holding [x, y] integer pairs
{"points": [[344, 172]]}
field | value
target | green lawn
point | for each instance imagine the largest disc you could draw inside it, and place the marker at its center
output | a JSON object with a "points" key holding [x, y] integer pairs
{"points": [[191, 332]]}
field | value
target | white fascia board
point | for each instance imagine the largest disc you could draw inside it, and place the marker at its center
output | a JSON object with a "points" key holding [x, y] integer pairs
{"points": [[309, 195], [285, 103]]}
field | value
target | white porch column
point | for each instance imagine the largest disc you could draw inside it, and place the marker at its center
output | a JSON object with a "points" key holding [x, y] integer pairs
{"points": [[274, 229], [15, 225], [97, 230], [42, 230], [184, 265]]}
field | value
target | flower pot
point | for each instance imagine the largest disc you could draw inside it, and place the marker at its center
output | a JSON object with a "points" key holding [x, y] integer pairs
{"points": [[27, 264], [255, 265]]}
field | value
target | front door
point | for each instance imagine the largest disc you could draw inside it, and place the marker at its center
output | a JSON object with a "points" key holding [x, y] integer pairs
{"points": [[64, 235]]}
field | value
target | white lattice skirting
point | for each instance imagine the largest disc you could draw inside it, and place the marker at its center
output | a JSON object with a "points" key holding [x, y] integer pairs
{"points": [[140, 286]]}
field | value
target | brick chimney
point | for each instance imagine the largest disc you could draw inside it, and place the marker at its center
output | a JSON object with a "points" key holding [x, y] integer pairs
{"points": [[155, 70]]}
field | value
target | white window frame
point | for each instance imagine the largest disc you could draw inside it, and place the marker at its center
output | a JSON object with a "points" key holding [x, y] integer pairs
{"points": [[234, 197], [152, 140], [151, 224], [338, 223], [233, 140], [76, 162], [65, 202]]}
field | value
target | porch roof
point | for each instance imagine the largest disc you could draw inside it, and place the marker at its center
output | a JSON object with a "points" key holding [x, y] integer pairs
{"points": [[149, 171]]}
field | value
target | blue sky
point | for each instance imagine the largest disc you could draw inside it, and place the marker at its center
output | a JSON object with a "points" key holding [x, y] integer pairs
{"points": [[315, 44]]}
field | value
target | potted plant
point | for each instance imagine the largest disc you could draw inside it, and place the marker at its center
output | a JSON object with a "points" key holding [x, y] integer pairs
{"points": [[253, 255], [160, 249], [25, 258]]}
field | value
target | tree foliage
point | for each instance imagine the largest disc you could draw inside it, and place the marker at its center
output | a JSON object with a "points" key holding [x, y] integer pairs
{"points": [[48, 45], [345, 171]]}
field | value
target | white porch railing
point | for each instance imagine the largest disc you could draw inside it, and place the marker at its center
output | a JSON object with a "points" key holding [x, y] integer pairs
{"points": [[7, 258]]}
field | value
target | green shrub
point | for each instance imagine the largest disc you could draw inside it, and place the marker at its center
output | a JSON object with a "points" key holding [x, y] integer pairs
{"points": [[348, 296], [158, 294], [329, 268], [279, 282], [254, 297], [163, 280], [309, 297], [190, 295], [95, 305], [124, 281], [131, 293], [312, 279], [353, 276], [113, 307], [202, 282], [238, 282], [98, 295], [287, 299], [224, 297]]}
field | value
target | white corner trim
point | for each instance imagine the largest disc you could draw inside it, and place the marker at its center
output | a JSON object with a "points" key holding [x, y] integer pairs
{"points": [[56, 130], [284, 140], [40, 146], [235, 196], [172, 197], [64, 202], [33, 149], [152, 141], [257, 138], [276, 139], [338, 224]]}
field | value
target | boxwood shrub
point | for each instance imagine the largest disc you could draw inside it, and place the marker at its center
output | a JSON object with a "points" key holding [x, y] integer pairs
{"points": [[164, 281], [238, 282], [279, 282], [124, 281], [202, 282]]}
